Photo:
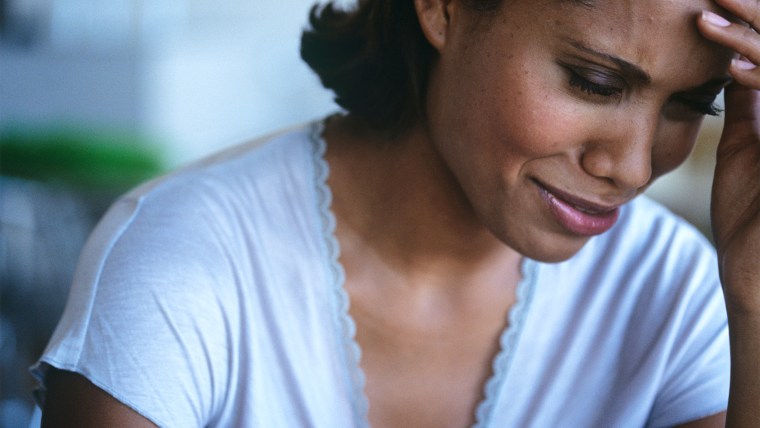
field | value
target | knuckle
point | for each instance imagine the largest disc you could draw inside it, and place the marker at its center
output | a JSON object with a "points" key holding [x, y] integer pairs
{"points": [[749, 37], [748, 12], [754, 14]]}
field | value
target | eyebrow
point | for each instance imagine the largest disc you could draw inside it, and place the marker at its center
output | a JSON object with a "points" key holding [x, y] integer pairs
{"points": [[627, 67], [642, 76]]}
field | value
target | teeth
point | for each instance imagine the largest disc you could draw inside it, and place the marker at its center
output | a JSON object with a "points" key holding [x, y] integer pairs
{"points": [[581, 209], [585, 210]]}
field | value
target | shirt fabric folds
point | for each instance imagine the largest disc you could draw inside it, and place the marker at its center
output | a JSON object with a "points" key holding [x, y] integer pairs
{"points": [[213, 297]]}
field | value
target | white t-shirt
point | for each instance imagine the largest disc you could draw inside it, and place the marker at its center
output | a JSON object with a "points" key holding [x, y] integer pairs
{"points": [[213, 297]]}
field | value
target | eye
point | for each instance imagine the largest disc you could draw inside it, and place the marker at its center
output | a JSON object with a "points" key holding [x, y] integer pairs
{"points": [[594, 82], [592, 88], [709, 107], [685, 106]]}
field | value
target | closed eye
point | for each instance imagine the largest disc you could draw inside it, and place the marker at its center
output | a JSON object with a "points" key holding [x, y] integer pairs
{"points": [[596, 83], [709, 108], [591, 88], [700, 100]]}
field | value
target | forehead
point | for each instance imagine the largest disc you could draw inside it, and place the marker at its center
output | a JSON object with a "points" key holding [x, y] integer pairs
{"points": [[688, 6], [646, 26], [658, 36], [634, 13]]}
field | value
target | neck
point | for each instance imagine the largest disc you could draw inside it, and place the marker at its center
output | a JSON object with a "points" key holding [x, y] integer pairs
{"points": [[397, 199]]}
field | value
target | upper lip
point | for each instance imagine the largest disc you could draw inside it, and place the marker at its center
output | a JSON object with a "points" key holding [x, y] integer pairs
{"points": [[578, 202]]}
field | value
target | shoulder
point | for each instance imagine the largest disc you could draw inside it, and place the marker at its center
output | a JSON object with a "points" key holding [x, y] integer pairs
{"points": [[653, 222], [648, 297], [158, 304], [203, 221], [649, 236], [261, 162], [652, 262], [214, 198], [653, 266]]}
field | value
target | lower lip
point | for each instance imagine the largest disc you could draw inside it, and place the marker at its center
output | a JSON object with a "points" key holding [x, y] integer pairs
{"points": [[576, 221]]}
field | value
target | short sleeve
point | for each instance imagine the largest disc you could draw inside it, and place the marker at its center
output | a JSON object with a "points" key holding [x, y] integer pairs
{"points": [[696, 376], [148, 315]]}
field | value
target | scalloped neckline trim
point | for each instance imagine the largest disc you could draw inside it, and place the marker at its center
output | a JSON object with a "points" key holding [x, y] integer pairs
{"points": [[345, 326]]}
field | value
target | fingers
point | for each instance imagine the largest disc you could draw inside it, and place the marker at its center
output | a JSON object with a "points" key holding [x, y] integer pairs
{"points": [[741, 117], [739, 37], [746, 10], [745, 72]]}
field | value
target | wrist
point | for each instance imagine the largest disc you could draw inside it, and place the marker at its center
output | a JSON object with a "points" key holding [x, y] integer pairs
{"points": [[741, 291], [740, 305]]}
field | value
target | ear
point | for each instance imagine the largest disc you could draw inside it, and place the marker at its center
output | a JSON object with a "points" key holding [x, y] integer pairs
{"points": [[435, 19]]}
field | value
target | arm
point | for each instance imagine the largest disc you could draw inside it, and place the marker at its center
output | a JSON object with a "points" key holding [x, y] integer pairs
{"points": [[736, 208], [715, 421], [72, 401]]}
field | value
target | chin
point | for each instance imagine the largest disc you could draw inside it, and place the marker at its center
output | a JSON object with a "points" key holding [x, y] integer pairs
{"points": [[554, 250]]}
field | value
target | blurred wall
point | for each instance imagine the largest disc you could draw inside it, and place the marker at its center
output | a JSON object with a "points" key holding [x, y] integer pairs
{"points": [[186, 76], [193, 75], [687, 190]]}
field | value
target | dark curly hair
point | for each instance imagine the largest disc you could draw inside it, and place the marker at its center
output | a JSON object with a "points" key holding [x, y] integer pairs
{"points": [[375, 58]]}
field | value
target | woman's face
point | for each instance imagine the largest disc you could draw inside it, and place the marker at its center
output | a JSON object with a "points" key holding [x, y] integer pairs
{"points": [[551, 114]]}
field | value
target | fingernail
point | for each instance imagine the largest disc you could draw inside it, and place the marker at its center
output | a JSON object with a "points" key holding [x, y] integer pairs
{"points": [[715, 19], [742, 64]]}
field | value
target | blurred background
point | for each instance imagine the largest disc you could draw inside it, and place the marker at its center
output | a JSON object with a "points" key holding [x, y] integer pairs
{"points": [[97, 96]]}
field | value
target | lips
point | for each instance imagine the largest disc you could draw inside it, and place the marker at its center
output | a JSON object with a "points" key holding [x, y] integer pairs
{"points": [[577, 215]]}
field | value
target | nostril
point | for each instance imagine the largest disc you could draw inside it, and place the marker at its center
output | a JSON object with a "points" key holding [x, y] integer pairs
{"points": [[629, 168]]}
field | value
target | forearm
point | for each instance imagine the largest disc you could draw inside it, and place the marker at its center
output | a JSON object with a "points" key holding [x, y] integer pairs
{"points": [[744, 396]]}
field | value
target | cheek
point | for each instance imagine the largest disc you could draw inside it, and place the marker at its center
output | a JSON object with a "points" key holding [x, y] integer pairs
{"points": [[503, 115], [543, 135], [531, 120], [673, 147]]}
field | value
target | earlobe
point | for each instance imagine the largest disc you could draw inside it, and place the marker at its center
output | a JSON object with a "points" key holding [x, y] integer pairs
{"points": [[434, 17]]}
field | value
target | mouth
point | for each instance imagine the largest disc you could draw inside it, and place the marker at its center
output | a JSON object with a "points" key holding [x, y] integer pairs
{"points": [[577, 215]]}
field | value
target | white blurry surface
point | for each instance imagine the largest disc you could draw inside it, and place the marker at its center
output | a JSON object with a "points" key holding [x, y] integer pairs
{"points": [[194, 75], [214, 91]]}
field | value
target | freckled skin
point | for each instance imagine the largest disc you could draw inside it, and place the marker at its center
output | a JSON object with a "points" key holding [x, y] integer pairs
{"points": [[501, 112]]}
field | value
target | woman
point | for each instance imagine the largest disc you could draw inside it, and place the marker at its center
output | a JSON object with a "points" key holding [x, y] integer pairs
{"points": [[476, 208]]}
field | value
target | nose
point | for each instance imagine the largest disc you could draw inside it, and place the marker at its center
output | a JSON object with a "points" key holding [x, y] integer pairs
{"points": [[621, 151]]}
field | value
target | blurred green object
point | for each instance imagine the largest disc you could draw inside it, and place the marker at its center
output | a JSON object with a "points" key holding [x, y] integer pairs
{"points": [[84, 159]]}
